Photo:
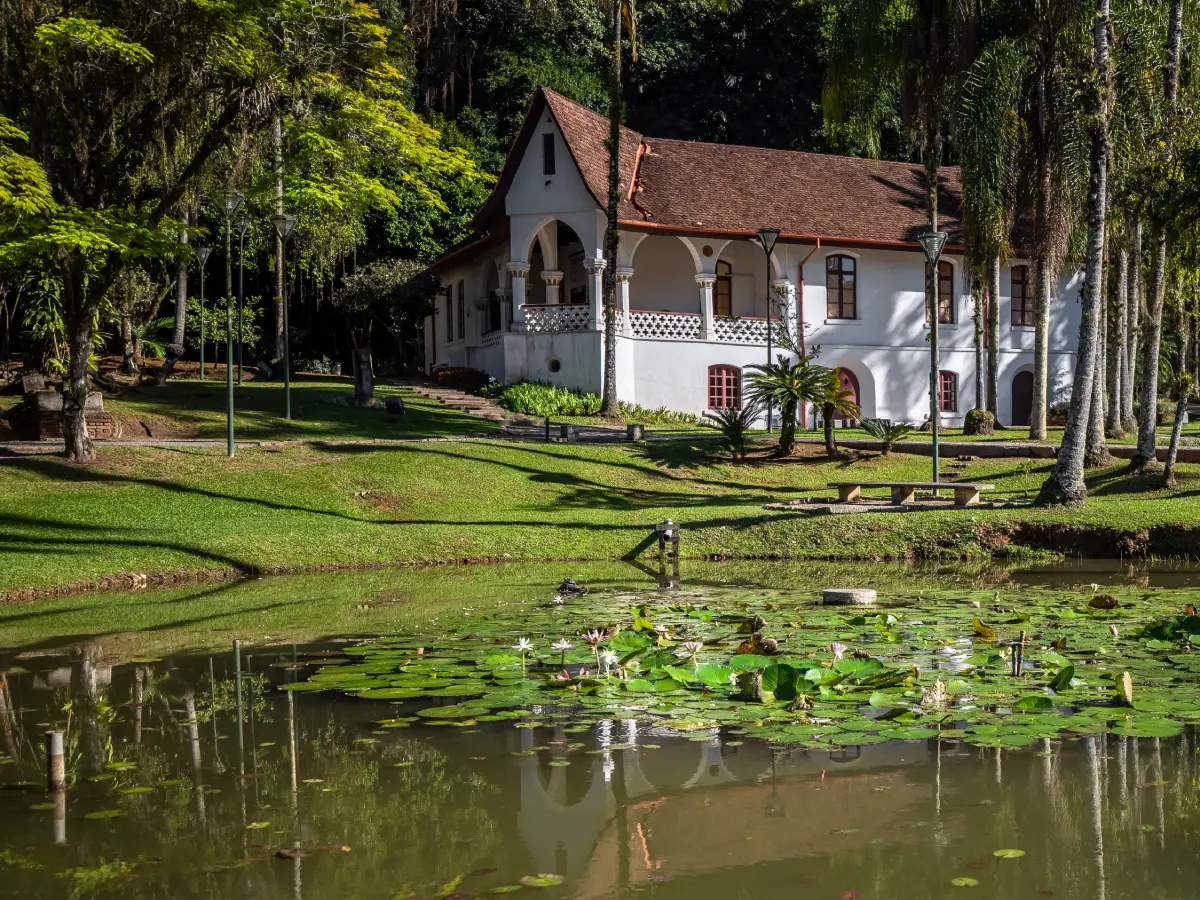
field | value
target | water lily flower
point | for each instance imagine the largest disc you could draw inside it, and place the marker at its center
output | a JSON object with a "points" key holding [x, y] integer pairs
{"points": [[1112, 629], [562, 645], [690, 648], [564, 675], [609, 658], [595, 636], [557, 599], [523, 645], [838, 650]]}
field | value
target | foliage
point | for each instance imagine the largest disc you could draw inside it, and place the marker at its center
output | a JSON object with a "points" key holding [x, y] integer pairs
{"points": [[393, 292], [214, 323], [887, 431], [979, 421], [657, 416], [533, 398], [734, 425], [788, 383]]}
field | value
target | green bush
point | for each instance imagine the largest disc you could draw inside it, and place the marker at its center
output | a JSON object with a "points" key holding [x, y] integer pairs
{"points": [[979, 421], [660, 416], [534, 398], [887, 431]]}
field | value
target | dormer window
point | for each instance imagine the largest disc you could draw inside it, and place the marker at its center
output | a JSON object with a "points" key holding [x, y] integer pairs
{"points": [[547, 154]]}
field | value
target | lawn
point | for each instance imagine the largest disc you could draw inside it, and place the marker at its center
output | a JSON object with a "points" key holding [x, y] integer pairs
{"points": [[303, 507]]}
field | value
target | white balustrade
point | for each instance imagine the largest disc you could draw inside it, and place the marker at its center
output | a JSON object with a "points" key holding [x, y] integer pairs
{"points": [[492, 338], [741, 331], [543, 319], [665, 326]]}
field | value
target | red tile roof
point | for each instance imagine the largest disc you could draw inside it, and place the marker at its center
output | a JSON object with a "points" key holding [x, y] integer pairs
{"points": [[722, 188]]}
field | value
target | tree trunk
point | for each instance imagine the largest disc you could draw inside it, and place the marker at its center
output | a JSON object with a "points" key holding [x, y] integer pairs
{"points": [[280, 287], [933, 154], [1041, 348], [1066, 484], [176, 348], [1096, 455], [1119, 343], [79, 314], [1133, 335], [827, 413], [977, 295], [128, 346], [993, 374], [612, 238], [1181, 399], [787, 427]]}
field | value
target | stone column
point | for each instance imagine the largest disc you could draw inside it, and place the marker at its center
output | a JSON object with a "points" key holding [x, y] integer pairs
{"points": [[595, 291], [707, 324], [506, 308], [553, 279], [623, 276], [517, 272]]}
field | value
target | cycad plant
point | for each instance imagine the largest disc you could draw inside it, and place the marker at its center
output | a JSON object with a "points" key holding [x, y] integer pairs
{"points": [[734, 425], [886, 432], [788, 383], [835, 399]]}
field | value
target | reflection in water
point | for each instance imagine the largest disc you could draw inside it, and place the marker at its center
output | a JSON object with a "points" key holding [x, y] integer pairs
{"points": [[324, 803]]}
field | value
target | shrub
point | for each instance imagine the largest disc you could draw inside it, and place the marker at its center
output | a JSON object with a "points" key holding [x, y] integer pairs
{"points": [[660, 416], [461, 378], [887, 431], [533, 398], [734, 424], [979, 421]]}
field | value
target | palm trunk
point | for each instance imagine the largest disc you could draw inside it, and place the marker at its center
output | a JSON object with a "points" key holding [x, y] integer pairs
{"points": [[1133, 319], [78, 315], [280, 287], [1044, 266], [1181, 399], [1119, 348], [993, 374], [827, 414], [610, 406], [176, 348], [787, 427], [1144, 457], [1096, 455], [1066, 484], [977, 295], [933, 154]]}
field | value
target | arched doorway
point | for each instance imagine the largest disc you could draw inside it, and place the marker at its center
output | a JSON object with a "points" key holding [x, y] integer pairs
{"points": [[1022, 399], [849, 382]]}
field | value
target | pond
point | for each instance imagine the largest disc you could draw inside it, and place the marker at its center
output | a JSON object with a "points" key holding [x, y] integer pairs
{"points": [[287, 769]]}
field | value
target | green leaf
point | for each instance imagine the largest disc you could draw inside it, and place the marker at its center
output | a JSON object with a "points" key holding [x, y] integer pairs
{"points": [[1062, 680], [541, 881], [1008, 854], [1034, 702], [964, 882]]}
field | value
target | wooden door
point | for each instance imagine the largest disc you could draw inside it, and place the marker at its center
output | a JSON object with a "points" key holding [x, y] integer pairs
{"points": [[1022, 399]]}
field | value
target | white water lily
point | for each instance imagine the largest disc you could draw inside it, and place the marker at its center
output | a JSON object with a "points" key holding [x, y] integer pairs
{"points": [[557, 599], [689, 649], [563, 645], [609, 658], [523, 645], [838, 650]]}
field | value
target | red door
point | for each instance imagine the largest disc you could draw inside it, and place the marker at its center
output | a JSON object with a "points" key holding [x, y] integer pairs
{"points": [[849, 383]]}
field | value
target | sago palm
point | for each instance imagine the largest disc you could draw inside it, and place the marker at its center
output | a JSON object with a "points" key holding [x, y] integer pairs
{"points": [[788, 384]]}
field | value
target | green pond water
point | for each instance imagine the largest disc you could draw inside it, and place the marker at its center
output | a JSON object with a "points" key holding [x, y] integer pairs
{"points": [[390, 742]]}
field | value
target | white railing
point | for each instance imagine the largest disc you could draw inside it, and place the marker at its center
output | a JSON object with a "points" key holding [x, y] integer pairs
{"points": [[540, 319], [665, 326], [741, 331]]}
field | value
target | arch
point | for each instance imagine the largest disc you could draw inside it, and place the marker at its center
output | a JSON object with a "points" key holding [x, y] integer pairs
{"points": [[555, 247], [627, 248], [778, 269], [867, 393], [705, 264], [664, 278], [1021, 399]]}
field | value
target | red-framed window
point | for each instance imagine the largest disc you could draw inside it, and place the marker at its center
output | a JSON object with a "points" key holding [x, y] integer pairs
{"points": [[945, 293], [1022, 297], [724, 387], [841, 287], [949, 390], [723, 296]]}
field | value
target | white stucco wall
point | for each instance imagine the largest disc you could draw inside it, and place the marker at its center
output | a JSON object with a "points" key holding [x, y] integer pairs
{"points": [[528, 357]]}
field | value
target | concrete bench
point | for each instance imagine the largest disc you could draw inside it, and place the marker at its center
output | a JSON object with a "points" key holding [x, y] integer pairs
{"points": [[904, 491]]}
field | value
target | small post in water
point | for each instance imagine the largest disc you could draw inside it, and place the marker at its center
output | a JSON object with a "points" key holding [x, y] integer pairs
{"points": [[56, 776]]}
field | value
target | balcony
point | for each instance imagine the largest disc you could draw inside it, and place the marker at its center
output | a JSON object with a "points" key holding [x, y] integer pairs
{"points": [[662, 326]]}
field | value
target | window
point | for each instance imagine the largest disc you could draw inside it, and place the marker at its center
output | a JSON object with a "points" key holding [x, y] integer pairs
{"points": [[494, 312], [841, 287], [449, 314], [1022, 297], [724, 387], [462, 310], [945, 293], [723, 297], [949, 382], [547, 154]]}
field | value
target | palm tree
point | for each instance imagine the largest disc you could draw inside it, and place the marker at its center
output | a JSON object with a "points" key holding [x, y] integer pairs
{"points": [[788, 383], [1065, 484], [836, 400]]}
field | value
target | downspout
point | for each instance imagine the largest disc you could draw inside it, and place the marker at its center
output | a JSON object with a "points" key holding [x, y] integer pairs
{"points": [[800, 321]]}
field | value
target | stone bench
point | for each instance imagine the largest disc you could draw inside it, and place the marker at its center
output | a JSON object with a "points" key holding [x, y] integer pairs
{"points": [[903, 492]]}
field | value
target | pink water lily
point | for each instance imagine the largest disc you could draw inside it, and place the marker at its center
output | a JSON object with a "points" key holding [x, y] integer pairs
{"points": [[838, 650]]}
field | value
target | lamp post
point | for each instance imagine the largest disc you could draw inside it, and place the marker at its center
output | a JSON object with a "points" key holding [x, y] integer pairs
{"points": [[233, 202], [933, 242], [243, 224], [767, 237], [284, 226], [202, 254]]}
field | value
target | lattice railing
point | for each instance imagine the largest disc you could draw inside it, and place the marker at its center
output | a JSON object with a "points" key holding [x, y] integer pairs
{"points": [[665, 326], [492, 338], [741, 331], [540, 319]]}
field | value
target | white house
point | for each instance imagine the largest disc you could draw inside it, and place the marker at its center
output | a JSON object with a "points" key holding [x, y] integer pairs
{"points": [[523, 294]]}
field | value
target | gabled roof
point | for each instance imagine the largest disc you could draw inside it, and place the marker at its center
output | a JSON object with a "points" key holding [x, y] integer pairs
{"points": [[694, 187]]}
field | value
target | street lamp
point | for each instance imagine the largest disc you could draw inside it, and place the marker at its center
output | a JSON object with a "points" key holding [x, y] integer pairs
{"points": [[232, 203], [933, 242], [284, 226], [202, 254], [767, 237], [243, 224]]}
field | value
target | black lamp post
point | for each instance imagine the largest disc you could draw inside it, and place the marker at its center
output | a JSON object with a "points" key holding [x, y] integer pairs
{"points": [[284, 226], [202, 254], [243, 224], [233, 202], [767, 237], [933, 242]]}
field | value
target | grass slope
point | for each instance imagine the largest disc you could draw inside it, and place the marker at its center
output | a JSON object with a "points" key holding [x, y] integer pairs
{"points": [[325, 504]]}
